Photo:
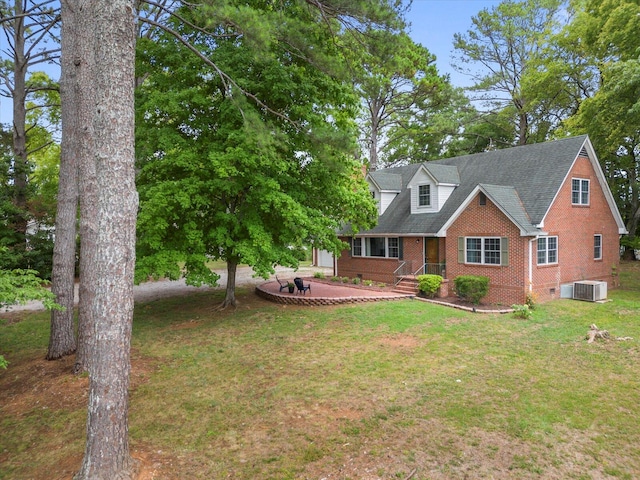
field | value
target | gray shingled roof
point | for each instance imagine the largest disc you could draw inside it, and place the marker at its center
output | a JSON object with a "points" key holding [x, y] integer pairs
{"points": [[523, 180], [508, 199], [387, 181]]}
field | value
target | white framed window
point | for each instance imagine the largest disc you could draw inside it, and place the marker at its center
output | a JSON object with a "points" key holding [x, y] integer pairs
{"points": [[356, 247], [483, 250], [597, 247], [375, 247], [424, 195], [547, 250], [579, 191], [382, 247]]}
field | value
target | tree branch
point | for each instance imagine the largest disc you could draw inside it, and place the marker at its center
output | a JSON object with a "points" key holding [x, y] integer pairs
{"points": [[226, 79]]}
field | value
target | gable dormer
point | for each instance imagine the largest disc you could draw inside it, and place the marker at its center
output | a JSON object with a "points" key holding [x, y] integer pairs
{"points": [[384, 188], [431, 187]]}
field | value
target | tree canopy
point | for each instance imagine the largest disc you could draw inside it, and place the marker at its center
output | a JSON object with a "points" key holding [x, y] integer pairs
{"points": [[251, 171]]}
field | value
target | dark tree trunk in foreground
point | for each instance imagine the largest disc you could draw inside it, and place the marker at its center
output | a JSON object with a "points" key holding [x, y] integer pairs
{"points": [[62, 340], [111, 308], [230, 294]]}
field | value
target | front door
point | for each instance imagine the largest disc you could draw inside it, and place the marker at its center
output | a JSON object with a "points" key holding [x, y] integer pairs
{"points": [[431, 250], [431, 254]]}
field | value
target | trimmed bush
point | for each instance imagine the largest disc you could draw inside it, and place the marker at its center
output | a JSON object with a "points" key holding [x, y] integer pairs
{"points": [[356, 281], [471, 287], [318, 275], [429, 284]]}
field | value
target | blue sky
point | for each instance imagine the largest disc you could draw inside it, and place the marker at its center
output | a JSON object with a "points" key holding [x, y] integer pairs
{"points": [[434, 22]]}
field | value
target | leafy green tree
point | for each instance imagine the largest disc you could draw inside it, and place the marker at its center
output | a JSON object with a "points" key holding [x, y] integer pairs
{"points": [[508, 43], [611, 116], [19, 286], [103, 43], [223, 177]]}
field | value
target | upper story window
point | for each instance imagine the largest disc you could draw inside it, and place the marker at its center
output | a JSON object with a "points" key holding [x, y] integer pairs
{"points": [[424, 195], [579, 191], [547, 250], [597, 247]]}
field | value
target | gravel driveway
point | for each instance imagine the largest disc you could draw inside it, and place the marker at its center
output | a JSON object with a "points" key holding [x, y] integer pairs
{"points": [[146, 292]]}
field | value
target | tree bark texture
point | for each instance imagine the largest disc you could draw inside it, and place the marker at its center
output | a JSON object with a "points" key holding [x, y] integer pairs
{"points": [[19, 94], [111, 290], [230, 294], [62, 340], [85, 63]]}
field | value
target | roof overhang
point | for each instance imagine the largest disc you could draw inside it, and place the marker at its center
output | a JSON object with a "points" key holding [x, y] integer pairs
{"points": [[526, 229]]}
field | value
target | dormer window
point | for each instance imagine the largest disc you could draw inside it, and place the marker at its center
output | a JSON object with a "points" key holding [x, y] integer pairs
{"points": [[424, 195]]}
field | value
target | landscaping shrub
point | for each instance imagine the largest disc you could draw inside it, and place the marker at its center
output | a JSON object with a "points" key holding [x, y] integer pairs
{"points": [[356, 281], [522, 311], [471, 287], [429, 284], [336, 279], [367, 283], [318, 275], [345, 279]]}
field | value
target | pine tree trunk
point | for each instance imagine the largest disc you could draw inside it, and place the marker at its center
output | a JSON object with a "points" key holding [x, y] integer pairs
{"points": [[85, 64], [111, 290], [19, 95], [62, 340]]}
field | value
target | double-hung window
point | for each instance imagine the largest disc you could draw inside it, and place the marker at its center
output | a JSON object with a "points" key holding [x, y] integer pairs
{"points": [[424, 195], [393, 247], [547, 250], [579, 191], [356, 249], [597, 247], [483, 250]]}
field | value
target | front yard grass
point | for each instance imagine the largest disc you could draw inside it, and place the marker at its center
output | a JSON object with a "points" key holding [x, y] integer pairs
{"points": [[383, 390]]}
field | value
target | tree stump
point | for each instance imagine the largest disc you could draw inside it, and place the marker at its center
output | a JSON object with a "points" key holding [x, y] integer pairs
{"points": [[595, 333]]}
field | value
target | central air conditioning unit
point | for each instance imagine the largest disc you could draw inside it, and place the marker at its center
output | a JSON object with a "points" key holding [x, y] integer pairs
{"points": [[591, 291]]}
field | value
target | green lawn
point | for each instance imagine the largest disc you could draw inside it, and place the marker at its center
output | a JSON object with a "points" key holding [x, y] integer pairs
{"points": [[386, 390]]}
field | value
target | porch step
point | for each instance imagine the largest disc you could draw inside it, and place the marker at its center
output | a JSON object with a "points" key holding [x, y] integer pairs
{"points": [[407, 285]]}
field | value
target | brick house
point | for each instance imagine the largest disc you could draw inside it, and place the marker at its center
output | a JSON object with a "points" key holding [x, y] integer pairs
{"points": [[531, 218]]}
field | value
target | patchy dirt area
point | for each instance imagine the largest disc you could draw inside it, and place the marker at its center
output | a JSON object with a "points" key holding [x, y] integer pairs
{"points": [[149, 291]]}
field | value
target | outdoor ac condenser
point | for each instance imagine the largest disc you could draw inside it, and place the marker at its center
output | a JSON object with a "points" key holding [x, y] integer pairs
{"points": [[591, 291]]}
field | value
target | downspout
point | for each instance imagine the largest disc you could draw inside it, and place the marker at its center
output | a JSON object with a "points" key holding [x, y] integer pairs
{"points": [[531, 263]]}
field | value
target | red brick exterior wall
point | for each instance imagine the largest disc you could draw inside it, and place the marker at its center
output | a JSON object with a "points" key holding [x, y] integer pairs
{"points": [[381, 269], [575, 226], [506, 283]]}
